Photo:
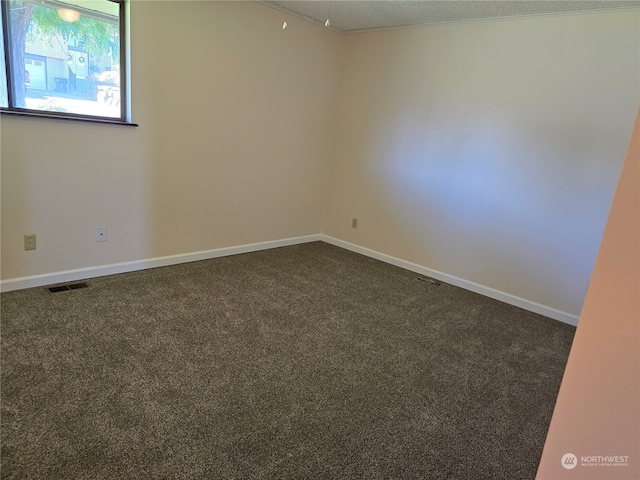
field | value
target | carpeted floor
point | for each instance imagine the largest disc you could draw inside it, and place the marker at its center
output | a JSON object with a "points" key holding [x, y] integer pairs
{"points": [[304, 362]]}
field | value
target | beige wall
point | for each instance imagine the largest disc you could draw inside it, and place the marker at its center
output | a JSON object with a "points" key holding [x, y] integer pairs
{"points": [[598, 408], [232, 147], [487, 151]]}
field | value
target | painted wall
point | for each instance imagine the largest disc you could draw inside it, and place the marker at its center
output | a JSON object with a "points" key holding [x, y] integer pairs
{"points": [[487, 151], [232, 147], [598, 409]]}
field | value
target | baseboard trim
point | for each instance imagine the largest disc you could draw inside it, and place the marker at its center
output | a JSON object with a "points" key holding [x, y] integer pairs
{"points": [[458, 282], [112, 269]]}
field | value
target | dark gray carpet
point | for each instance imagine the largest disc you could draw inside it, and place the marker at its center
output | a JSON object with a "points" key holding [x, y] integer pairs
{"points": [[300, 362]]}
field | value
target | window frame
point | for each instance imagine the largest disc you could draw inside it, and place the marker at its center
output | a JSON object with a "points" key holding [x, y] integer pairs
{"points": [[123, 38]]}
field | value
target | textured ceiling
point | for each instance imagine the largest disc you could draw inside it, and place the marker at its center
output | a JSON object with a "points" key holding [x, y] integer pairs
{"points": [[358, 15]]}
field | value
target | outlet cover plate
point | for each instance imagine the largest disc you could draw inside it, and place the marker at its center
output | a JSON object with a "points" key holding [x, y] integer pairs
{"points": [[30, 242]]}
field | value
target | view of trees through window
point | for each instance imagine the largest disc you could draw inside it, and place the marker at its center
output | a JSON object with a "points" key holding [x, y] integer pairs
{"points": [[64, 57]]}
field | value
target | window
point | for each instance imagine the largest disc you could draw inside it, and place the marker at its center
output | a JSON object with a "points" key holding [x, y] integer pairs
{"points": [[64, 58]]}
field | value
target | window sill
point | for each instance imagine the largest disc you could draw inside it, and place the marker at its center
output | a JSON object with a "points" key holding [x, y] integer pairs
{"points": [[75, 118]]}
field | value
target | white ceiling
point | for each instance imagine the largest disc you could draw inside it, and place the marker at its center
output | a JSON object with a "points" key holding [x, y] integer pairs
{"points": [[358, 15]]}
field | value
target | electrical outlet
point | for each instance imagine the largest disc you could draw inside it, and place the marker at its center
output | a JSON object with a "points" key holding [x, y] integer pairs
{"points": [[30, 242], [354, 223], [101, 234]]}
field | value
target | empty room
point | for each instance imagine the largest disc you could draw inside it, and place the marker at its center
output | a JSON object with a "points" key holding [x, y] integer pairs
{"points": [[313, 239]]}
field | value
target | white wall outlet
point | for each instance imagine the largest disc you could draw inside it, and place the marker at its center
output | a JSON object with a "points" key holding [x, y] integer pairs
{"points": [[30, 241], [354, 223], [101, 234]]}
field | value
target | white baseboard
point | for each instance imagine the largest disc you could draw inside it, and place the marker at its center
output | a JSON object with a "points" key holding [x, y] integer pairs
{"points": [[102, 270], [458, 282]]}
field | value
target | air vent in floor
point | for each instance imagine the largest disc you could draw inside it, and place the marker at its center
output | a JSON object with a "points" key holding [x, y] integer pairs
{"points": [[71, 286]]}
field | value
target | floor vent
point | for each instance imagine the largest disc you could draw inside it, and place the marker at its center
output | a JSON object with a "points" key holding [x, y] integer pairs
{"points": [[71, 286], [429, 280]]}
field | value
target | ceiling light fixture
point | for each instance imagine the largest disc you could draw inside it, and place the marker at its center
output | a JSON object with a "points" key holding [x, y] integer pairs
{"points": [[68, 15], [328, 23], [284, 24]]}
